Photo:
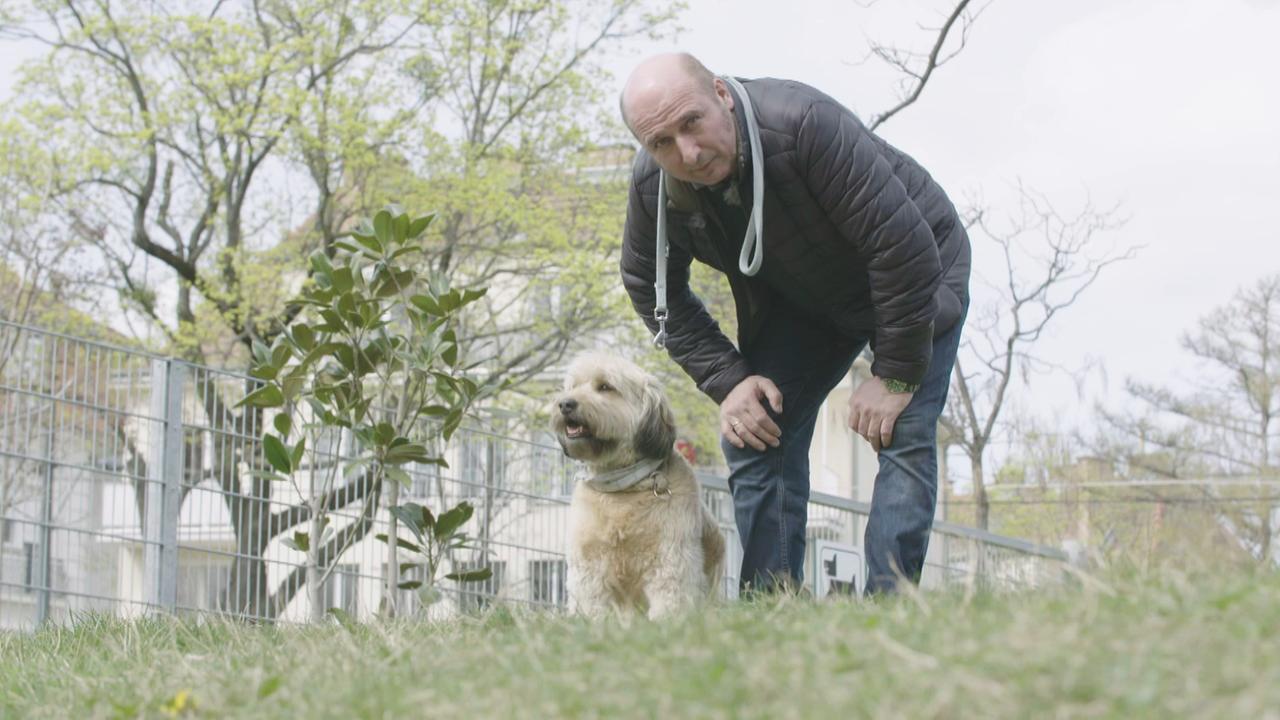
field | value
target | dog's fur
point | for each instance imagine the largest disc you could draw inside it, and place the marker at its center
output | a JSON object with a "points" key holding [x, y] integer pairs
{"points": [[639, 549]]}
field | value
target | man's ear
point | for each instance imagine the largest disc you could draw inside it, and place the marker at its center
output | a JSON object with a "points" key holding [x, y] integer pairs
{"points": [[722, 92]]}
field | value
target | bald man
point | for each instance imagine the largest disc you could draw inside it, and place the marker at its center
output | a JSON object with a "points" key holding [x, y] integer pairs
{"points": [[831, 240]]}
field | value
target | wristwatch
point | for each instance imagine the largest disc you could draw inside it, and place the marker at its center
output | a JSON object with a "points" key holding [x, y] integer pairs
{"points": [[899, 386]]}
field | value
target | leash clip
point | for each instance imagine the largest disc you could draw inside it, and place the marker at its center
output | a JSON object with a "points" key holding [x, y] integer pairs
{"points": [[660, 340]]}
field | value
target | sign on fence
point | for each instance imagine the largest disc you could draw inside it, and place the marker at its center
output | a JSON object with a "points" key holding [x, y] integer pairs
{"points": [[839, 569]]}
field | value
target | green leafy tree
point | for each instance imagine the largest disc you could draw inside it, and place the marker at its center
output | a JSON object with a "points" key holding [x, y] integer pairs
{"points": [[181, 133], [530, 187], [163, 125], [167, 124], [41, 282], [372, 356], [434, 540]]}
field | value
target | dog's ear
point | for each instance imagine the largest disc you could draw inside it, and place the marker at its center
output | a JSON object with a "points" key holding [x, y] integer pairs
{"points": [[656, 434]]}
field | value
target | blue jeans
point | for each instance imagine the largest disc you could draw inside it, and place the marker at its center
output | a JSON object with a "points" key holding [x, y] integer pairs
{"points": [[806, 358]]}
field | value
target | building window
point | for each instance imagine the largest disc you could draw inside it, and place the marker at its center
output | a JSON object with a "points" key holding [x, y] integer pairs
{"points": [[424, 477], [497, 462], [547, 582], [475, 596], [552, 474], [341, 589], [482, 464], [6, 530], [471, 466], [422, 480]]}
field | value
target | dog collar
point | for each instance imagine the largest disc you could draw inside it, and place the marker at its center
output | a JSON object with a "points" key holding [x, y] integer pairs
{"points": [[626, 478]]}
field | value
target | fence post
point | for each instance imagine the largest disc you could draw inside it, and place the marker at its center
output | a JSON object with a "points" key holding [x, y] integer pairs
{"points": [[164, 483], [975, 563], [44, 561]]}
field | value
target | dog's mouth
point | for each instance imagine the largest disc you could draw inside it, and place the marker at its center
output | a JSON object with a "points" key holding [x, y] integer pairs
{"points": [[575, 430]]}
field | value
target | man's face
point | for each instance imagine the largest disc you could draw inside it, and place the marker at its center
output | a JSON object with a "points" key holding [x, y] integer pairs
{"points": [[688, 130]]}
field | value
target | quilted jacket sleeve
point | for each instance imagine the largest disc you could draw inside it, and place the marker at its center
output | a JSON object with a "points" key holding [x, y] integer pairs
{"points": [[855, 185], [694, 340]]}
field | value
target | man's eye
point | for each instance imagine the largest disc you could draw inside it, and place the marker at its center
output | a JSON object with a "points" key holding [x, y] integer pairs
{"points": [[661, 143], [692, 121]]}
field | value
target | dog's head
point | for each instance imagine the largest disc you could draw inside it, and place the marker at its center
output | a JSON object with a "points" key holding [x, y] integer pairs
{"points": [[611, 413]]}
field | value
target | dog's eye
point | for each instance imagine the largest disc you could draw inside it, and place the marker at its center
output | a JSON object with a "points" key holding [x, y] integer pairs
{"points": [[604, 387]]}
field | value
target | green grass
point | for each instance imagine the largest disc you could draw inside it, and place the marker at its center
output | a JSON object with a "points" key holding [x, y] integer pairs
{"points": [[1171, 645]]}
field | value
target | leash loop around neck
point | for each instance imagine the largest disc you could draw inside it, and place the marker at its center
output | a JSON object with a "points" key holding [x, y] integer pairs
{"points": [[752, 256]]}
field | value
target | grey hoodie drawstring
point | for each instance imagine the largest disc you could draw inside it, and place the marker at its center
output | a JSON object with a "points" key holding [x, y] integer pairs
{"points": [[752, 256]]}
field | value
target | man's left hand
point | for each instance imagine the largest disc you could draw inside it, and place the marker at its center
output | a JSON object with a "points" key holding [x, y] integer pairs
{"points": [[873, 410]]}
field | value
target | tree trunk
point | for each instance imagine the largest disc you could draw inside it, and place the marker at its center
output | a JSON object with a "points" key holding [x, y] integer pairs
{"points": [[251, 521], [248, 505], [1264, 547], [392, 579], [979, 552], [1157, 527], [1083, 520], [315, 573], [982, 509]]}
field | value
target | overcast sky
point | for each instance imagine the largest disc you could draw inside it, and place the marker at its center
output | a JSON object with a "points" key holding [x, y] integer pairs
{"points": [[1170, 109]]}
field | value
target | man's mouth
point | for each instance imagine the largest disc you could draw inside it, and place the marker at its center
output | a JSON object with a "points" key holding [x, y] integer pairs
{"points": [[575, 430]]}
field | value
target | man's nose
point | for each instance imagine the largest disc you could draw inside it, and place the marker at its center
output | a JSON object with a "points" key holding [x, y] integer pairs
{"points": [[689, 150]]}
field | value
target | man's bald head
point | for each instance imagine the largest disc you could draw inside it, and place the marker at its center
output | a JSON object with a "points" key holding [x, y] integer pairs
{"points": [[683, 116], [659, 74]]}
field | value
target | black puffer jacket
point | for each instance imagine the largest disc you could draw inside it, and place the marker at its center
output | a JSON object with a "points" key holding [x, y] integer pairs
{"points": [[855, 231]]}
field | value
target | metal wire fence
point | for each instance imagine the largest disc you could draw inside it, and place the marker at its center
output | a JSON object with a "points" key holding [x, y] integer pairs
{"points": [[128, 485]]}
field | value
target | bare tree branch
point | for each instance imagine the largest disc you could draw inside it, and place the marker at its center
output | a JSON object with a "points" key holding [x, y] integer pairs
{"points": [[1049, 263], [906, 61]]}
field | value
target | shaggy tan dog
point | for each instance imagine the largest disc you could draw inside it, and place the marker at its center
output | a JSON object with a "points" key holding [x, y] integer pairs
{"points": [[639, 536]]}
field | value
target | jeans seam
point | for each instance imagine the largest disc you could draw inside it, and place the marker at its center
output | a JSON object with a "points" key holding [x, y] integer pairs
{"points": [[780, 474]]}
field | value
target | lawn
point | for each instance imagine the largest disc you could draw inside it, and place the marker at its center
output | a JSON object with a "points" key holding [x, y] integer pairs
{"points": [[1119, 645]]}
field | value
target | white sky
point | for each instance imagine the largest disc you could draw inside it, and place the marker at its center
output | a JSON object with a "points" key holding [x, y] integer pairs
{"points": [[1170, 108]]}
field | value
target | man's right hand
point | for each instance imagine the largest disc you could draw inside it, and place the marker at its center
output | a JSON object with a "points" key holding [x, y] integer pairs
{"points": [[743, 418]]}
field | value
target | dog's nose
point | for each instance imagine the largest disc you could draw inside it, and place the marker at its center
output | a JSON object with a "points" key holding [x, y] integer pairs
{"points": [[568, 406]]}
